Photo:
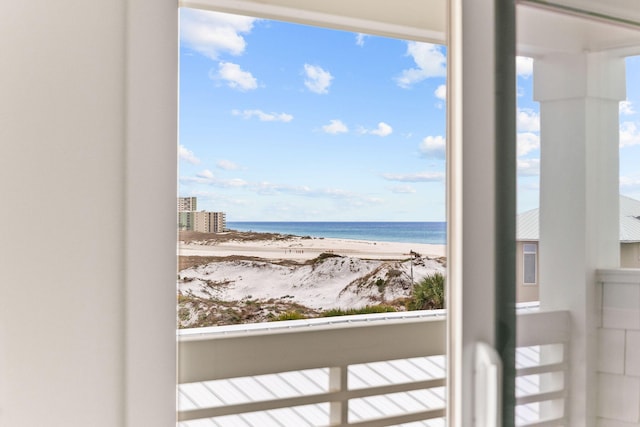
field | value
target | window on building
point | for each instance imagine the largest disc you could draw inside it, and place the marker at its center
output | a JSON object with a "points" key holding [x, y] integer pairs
{"points": [[530, 255]]}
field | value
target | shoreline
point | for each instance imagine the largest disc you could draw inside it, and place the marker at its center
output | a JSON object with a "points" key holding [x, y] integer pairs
{"points": [[306, 248]]}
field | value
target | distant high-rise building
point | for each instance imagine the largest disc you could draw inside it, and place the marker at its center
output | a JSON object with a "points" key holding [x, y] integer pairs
{"points": [[185, 221], [191, 220], [187, 204], [209, 222]]}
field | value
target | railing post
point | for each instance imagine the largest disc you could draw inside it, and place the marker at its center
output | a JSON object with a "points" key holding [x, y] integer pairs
{"points": [[338, 410]]}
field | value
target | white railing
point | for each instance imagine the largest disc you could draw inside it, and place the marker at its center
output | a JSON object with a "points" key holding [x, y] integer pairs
{"points": [[542, 368], [371, 370]]}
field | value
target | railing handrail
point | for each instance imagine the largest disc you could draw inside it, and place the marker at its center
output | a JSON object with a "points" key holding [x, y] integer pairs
{"points": [[298, 345], [618, 275], [206, 357], [304, 323]]}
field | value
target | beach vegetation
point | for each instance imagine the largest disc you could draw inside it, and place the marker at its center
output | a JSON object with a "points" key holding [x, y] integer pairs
{"points": [[184, 314], [325, 255], [290, 315], [369, 309], [428, 293], [392, 273]]}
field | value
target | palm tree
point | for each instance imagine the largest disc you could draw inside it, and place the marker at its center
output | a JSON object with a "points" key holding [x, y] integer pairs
{"points": [[428, 294]]}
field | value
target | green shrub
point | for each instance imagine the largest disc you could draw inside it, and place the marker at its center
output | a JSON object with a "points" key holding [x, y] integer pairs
{"points": [[428, 294], [325, 255], [364, 310], [290, 315]]}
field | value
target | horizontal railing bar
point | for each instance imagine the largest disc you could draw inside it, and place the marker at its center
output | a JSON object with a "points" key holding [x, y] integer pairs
{"points": [[400, 419], [265, 405], [393, 388], [311, 399], [542, 369], [210, 357], [541, 397]]}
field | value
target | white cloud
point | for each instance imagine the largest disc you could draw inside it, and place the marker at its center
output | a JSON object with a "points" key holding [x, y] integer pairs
{"points": [[360, 39], [403, 189], [383, 129], [208, 178], [207, 174], [527, 142], [524, 66], [187, 155], [626, 108], [268, 188], [317, 79], [415, 177], [262, 116], [441, 92], [629, 134], [213, 33], [430, 60], [528, 167], [527, 120], [335, 127], [227, 165], [434, 146], [235, 77]]}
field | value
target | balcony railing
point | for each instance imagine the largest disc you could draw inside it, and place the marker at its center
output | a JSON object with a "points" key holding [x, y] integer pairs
{"points": [[369, 370]]}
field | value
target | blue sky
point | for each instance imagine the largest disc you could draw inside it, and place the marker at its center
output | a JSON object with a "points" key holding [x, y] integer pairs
{"points": [[284, 122]]}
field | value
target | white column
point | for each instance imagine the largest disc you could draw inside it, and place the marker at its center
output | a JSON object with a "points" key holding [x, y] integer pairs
{"points": [[579, 199]]}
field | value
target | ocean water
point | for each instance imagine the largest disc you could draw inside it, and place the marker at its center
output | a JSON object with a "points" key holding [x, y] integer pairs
{"points": [[408, 232]]}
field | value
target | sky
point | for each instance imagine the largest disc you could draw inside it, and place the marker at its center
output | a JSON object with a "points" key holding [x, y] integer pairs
{"points": [[285, 122]]}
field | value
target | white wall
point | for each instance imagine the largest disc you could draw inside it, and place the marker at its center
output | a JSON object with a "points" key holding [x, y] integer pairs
{"points": [[619, 349], [71, 136]]}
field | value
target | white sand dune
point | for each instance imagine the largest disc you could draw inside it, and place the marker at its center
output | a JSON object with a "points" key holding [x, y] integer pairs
{"points": [[360, 273]]}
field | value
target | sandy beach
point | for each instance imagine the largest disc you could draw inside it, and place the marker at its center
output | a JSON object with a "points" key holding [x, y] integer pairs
{"points": [[305, 248]]}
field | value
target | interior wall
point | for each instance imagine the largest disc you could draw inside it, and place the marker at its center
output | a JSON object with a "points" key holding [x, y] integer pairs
{"points": [[62, 85], [65, 352]]}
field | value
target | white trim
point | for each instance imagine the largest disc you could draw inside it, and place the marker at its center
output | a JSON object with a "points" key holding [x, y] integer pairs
{"points": [[454, 170], [471, 177], [326, 18], [150, 111]]}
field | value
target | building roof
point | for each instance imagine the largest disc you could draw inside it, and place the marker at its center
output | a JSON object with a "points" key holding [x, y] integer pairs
{"points": [[527, 223]]}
